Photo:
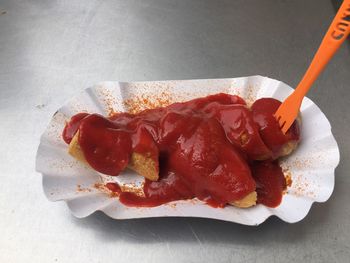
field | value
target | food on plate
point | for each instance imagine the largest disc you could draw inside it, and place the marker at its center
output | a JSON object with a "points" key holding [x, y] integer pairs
{"points": [[215, 148], [140, 163]]}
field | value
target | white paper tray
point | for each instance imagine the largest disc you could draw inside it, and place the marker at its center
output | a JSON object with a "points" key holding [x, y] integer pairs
{"points": [[311, 165]]}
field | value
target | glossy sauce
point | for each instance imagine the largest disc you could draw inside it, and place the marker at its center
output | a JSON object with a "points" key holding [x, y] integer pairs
{"points": [[213, 148], [270, 182]]}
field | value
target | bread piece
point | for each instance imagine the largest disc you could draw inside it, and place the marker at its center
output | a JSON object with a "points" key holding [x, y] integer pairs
{"points": [[142, 164], [247, 201]]}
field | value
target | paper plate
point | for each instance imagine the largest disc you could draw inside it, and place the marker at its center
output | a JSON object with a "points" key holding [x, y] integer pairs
{"points": [[311, 166]]}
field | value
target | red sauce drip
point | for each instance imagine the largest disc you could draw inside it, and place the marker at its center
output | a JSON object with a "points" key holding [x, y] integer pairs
{"points": [[105, 145], [72, 126], [114, 187], [170, 188], [270, 182], [207, 148]]}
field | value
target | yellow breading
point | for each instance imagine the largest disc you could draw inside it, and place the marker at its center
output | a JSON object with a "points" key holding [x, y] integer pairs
{"points": [[75, 150], [144, 165], [247, 201], [288, 148], [141, 164]]}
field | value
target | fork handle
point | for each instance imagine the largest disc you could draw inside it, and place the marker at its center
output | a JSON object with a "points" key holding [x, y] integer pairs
{"points": [[335, 36]]}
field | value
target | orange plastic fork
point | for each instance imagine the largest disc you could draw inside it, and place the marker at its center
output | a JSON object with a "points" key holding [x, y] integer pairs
{"points": [[335, 36]]}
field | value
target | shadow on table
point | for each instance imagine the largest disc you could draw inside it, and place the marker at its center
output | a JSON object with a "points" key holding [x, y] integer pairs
{"points": [[199, 230]]}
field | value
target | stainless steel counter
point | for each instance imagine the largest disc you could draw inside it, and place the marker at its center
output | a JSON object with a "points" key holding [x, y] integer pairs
{"points": [[50, 50]]}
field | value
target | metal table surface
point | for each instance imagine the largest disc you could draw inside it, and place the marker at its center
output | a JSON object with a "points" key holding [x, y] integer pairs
{"points": [[50, 50]]}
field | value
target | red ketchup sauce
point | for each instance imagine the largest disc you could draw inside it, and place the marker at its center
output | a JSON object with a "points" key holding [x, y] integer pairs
{"points": [[213, 148]]}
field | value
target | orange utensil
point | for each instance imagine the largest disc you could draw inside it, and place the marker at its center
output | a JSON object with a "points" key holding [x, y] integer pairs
{"points": [[335, 36]]}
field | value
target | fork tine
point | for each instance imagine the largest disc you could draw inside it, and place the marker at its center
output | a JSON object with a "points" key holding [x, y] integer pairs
{"points": [[285, 128], [277, 116], [283, 124], [280, 121]]}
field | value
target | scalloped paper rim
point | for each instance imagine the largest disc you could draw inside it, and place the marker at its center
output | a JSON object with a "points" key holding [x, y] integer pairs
{"points": [[311, 166]]}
